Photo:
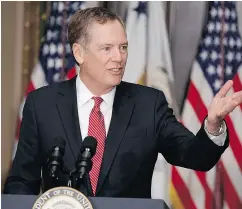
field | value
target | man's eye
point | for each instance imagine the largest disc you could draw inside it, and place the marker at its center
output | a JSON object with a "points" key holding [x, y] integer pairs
{"points": [[107, 49], [124, 48]]}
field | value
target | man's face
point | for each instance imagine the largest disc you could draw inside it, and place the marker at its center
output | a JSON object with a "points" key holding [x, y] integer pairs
{"points": [[105, 56]]}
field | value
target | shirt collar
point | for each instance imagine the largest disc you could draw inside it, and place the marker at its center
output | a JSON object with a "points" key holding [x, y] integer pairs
{"points": [[84, 95]]}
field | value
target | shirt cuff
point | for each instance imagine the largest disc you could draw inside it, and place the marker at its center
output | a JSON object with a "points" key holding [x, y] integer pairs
{"points": [[219, 140]]}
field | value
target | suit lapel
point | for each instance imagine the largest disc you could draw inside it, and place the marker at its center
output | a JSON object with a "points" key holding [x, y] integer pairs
{"points": [[122, 111], [67, 107]]}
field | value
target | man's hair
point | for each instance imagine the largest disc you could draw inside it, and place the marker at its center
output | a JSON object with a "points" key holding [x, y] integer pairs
{"points": [[82, 20]]}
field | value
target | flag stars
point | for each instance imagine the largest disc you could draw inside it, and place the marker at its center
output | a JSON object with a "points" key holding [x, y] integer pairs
{"points": [[45, 49], [208, 41], [238, 43], [55, 4], [218, 26], [233, 27], [58, 63], [210, 27], [68, 48], [82, 6], [214, 55], [59, 20], [50, 63], [228, 70], [74, 6], [141, 8], [52, 21], [56, 77], [216, 41], [211, 70], [52, 48], [219, 70], [60, 49], [220, 12], [227, 13], [230, 56], [61, 7], [213, 12], [221, 42], [52, 35], [49, 35], [204, 55], [217, 84], [238, 56], [231, 42], [55, 53], [233, 14]]}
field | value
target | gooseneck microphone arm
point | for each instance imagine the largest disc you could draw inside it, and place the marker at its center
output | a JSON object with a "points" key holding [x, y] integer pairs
{"points": [[55, 162], [84, 163]]}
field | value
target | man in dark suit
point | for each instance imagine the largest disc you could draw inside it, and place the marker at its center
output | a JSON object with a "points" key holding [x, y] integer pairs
{"points": [[131, 123]]}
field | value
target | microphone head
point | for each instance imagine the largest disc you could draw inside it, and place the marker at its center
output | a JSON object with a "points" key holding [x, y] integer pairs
{"points": [[91, 143], [60, 143]]}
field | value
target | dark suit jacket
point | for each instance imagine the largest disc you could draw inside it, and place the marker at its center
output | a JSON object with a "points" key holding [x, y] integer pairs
{"points": [[141, 126]]}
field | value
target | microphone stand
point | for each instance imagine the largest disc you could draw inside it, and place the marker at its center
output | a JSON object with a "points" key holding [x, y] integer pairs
{"points": [[54, 180], [81, 175], [76, 180], [68, 172], [81, 182], [55, 164]]}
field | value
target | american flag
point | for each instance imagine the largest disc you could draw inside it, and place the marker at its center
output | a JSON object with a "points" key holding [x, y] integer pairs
{"points": [[55, 61], [219, 58]]}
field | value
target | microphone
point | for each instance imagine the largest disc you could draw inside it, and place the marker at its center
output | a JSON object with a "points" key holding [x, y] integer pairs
{"points": [[88, 150], [84, 163], [55, 163]]}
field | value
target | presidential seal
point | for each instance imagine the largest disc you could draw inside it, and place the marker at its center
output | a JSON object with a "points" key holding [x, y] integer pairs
{"points": [[62, 198]]}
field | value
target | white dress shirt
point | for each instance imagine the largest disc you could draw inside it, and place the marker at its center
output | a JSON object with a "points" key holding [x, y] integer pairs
{"points": [[85, 103]]}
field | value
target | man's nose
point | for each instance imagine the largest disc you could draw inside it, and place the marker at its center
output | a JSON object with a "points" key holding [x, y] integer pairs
{"points": [[116, 55]]}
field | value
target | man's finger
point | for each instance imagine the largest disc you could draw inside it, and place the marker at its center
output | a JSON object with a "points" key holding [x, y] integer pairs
{"points": [[225, 89], [237, 96]]}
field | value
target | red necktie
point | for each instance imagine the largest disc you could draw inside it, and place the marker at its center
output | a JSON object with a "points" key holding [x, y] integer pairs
{"points": [[97, 130]]}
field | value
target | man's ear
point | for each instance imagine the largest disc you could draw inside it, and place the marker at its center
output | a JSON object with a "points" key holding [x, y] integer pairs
{"points": [[78, 53]]}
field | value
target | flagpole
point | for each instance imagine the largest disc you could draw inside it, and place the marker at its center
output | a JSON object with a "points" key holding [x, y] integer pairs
{"points": [[63, 41], [219, 189]]}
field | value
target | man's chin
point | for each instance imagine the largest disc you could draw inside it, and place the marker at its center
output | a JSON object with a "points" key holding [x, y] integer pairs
{"points": [[116, 81]]}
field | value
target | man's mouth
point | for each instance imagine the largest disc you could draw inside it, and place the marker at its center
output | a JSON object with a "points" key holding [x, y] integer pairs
{"points": [[116, 70]]}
